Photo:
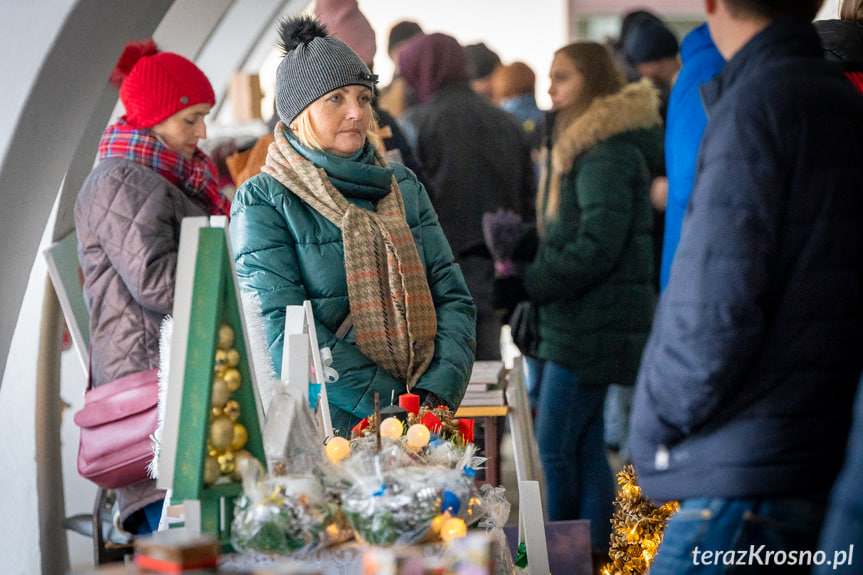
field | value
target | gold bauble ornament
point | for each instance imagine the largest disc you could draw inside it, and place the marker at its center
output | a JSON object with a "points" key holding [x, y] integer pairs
{"points": [[221, 433], [211, 470], [232, 409], [239, 456], [233, 357], [240, 437], [227, 463], [221, 393], [233, 377], [226, 337], [221, 361]]}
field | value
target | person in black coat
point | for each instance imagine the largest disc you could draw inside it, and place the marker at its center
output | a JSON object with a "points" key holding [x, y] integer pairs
{"points": [[476, 158], [743, 400]]}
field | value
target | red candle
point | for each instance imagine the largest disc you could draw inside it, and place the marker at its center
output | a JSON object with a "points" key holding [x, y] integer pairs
{"points": [[411, 402]]}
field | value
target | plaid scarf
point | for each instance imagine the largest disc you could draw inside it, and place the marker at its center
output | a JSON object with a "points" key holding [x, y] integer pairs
{"points": [[391, 305], [196, 177]]}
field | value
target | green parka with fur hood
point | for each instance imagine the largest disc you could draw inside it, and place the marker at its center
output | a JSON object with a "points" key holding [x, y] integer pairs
{"points": [[287, 252], [591, 280]]}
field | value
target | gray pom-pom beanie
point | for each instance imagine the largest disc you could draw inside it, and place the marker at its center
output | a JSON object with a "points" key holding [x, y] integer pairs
{"points": [[314, 64]]}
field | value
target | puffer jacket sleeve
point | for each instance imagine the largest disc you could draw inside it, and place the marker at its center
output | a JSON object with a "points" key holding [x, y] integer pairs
{"points": [[574, 257], [259, 237], [455, 344], [135, 224]]}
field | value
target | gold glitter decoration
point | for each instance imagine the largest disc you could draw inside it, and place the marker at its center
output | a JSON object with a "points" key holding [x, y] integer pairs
{"points": [[232, 409], [637, 527], [227, 461]]}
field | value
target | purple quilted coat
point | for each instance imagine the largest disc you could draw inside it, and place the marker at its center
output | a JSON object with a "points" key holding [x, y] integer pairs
{"points": [[128, 223]]}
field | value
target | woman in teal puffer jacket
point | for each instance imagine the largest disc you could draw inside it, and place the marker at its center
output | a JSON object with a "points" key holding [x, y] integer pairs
{"points": [[329, 221]]}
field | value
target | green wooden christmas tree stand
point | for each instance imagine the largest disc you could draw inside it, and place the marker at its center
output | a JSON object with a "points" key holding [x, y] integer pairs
{"points": [[206, 297]]}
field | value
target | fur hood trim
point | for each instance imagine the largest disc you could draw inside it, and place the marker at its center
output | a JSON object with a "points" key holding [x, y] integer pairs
{"points": [[636, 106]]}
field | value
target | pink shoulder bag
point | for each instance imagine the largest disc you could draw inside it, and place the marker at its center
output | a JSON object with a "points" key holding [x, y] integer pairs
{"points": [[116, 423]]}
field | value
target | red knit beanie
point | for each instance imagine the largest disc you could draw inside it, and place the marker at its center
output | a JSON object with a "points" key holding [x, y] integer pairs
{"points": [[156, 85]]}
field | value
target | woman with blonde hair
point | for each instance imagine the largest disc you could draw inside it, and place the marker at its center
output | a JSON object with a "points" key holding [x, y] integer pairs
{"points": [[330, 221], [590, 281]]}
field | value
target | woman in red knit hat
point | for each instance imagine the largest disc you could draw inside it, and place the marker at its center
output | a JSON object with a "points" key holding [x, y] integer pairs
{"points": [[150, 175]]}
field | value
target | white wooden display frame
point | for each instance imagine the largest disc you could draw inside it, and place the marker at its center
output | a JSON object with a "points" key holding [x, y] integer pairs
{"points": [[302, 362]]}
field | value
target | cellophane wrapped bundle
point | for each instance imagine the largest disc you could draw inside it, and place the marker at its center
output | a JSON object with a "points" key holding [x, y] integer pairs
{"points": [[497, 514], [288, 510], [394, 497]]}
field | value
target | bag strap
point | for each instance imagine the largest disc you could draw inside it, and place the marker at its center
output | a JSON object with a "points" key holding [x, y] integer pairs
{"points": [[345, 327], [89, 369]]}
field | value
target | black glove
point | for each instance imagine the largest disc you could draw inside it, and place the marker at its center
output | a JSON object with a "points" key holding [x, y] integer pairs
{"points": [[506, 293], [431, 400]]}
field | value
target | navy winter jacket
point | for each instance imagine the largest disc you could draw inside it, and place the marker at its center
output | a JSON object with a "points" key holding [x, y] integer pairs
{"points": [[746, 385]]}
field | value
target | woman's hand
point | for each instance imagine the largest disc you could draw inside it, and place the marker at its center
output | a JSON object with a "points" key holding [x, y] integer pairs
{"points": [[431, 400]]}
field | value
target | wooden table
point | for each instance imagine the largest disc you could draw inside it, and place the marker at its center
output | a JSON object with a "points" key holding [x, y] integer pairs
{"points": [[488, 417]]}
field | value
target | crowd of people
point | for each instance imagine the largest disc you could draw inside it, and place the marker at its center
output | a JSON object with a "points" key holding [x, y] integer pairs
{"points": [[690, 240]]}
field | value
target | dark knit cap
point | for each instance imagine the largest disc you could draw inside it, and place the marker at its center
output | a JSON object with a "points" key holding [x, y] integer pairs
{"points": [[481, 60], [648, 41], [404, 30], [314, 64]]}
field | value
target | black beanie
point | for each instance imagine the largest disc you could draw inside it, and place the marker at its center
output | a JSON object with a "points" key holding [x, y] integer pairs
{"points": [[481, 60], [649, 40], [314, 64], [404, 30]]}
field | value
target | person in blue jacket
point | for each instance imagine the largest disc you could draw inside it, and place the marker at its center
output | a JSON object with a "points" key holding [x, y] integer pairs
{"points": [[744, 395], [684, 127], [330, 221]]}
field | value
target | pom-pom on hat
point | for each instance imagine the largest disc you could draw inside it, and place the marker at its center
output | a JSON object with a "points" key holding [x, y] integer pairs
{"points": [[156, 85], [314, 64]]}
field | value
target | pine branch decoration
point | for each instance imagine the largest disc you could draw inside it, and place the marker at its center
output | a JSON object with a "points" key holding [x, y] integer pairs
{"points": [[448, 432], [637, 527]]}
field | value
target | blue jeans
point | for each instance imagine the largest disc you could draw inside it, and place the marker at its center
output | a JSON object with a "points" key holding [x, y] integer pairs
{"points": [[532, 375], [145, 520], [718, 536], [618, 407], [569, 431]]}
